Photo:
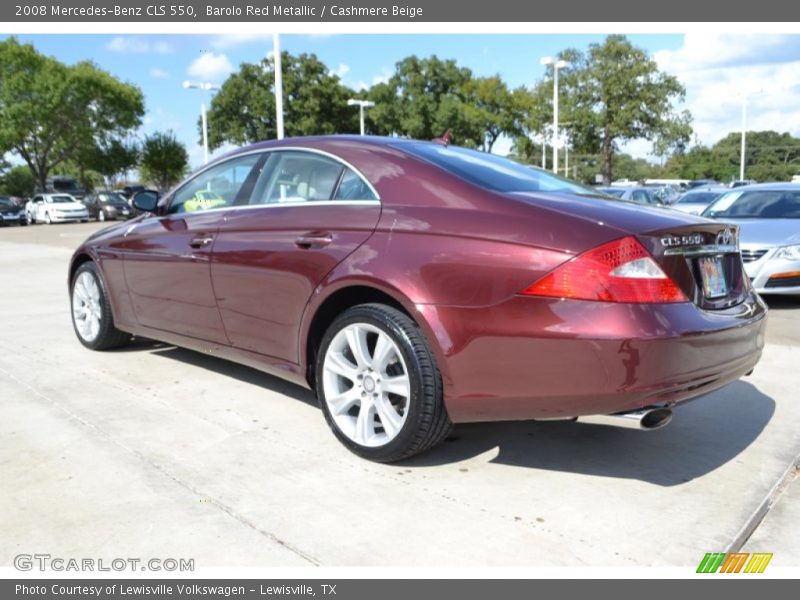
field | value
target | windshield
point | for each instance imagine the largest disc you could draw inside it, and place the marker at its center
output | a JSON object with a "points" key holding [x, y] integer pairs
{"points": [[61, 199], [115, 199], [5, 203], [616, 192], [757, 204], [491, 171], [65, 185], [704, 198]]}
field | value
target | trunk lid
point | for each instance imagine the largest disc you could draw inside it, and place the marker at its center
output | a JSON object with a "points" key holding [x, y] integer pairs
{"points": [[700, 255]]}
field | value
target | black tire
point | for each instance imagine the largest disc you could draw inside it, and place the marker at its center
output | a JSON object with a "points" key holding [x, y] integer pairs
{"points": [[427, 423], [109, 336]]}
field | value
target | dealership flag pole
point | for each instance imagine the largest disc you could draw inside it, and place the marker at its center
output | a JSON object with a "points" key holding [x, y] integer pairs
{"points": [[276, 52]]}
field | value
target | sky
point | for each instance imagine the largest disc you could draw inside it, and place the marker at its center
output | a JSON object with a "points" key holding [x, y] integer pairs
{"points": [[718, 70]]}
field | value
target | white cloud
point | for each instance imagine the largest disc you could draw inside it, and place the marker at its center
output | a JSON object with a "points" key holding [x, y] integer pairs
{"points": [[341, 70], [157, 73], [211, 67], [384, 76], [231, 40], [137, 45], [720, 71]]}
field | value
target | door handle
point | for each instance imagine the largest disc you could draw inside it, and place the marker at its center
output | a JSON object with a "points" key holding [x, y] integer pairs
{"points": [[322, 238], [201, 240]]}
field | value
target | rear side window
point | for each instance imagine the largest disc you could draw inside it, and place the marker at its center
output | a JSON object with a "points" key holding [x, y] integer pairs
{"points": [[297, 177], [352, 187]]}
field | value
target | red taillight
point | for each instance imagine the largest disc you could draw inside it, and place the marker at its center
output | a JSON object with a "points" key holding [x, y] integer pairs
{"points": [[619, 271]]}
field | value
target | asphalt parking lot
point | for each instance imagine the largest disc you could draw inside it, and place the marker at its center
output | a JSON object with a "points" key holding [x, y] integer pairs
{"points": [[155, 451]]}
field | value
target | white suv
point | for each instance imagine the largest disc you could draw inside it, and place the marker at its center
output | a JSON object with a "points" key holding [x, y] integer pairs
{"points": [[796, 178], [55, 208]]}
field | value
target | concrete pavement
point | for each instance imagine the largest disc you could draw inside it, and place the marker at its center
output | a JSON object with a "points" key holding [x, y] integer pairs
{"points": [[156, 451]]}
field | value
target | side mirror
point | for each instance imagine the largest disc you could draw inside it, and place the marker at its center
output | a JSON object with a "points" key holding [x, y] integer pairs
{"points": [[146, 200]]}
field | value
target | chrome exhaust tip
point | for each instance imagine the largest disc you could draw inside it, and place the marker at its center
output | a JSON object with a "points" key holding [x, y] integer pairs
{"points": [[649, 418]]}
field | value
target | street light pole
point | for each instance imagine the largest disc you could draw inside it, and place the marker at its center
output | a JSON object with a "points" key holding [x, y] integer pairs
{"points": [[744, 135], [557, 64], [276, 53], [361, 104], [203, 87]]}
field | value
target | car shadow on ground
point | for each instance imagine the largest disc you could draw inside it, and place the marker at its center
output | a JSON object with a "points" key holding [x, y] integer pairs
{"points": [[703, 436], [776, 302], [222, 367]]}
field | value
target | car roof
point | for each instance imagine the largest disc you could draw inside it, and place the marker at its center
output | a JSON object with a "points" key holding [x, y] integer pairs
{"points": [[705, 189], [774, 186]]}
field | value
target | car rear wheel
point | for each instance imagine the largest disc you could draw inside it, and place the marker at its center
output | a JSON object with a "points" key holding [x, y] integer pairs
{"points": [[101, 216], [378, 384], [91, 311]]}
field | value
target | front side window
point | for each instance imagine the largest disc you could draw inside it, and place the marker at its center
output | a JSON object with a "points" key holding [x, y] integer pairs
{"points": [[216, 187], [295, 177]]}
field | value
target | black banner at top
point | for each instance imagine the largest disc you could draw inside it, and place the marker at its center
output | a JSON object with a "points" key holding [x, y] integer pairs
{"points": [[410, 11]]}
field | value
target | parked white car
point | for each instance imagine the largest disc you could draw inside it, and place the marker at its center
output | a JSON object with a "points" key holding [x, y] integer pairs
{"points": [[796, 178], [55, 208]]}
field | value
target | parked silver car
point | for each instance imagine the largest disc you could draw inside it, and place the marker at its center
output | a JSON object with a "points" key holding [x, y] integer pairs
{"points": [[695, 201], [55, 208], [768, 216]]}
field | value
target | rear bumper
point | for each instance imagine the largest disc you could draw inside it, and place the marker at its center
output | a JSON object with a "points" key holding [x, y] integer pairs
{"points": [[531, 358]]}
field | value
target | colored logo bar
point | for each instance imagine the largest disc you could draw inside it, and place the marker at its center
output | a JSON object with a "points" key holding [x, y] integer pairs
{"points": [[734, 562]]}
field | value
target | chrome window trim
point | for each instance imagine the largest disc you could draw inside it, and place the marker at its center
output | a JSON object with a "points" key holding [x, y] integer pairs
{"points": [[278, 149], [184, 215]]}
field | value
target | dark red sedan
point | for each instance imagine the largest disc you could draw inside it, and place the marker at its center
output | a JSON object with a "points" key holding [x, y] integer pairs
{"points": [[414, 285]]}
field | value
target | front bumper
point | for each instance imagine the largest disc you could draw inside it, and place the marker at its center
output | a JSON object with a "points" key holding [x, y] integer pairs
{"points": [[767, 274], [69, 217], [530, 358], [13, 219]]}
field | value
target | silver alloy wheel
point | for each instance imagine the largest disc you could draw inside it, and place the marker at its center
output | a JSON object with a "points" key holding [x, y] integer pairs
{"points": [[101, 216], [47, 218], [87, 312], [366, 385]]}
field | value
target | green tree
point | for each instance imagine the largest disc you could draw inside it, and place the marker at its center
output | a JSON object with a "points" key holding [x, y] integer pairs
{"points": [[163, 160], [612, 94], [315, 102], [424, 98], [770, 156], [18, 181], [493, 110], [50, 112], [112, 158]]}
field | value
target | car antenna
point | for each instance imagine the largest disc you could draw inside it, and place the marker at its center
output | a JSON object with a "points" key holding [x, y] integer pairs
{"points": [[444, 140]]}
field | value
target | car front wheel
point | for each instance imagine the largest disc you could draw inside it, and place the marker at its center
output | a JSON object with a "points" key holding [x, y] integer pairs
{"points": [[91, 311], [378, 384]]}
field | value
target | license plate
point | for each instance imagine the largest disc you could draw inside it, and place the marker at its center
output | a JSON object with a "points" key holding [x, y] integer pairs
{"points": [[713, 277]]}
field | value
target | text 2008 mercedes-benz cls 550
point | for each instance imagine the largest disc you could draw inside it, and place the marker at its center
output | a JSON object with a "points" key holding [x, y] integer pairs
{"points": [[414, 285]]}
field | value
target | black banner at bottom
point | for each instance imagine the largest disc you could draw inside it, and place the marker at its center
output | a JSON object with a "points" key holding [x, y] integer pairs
{"points": [[376, 589]]}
